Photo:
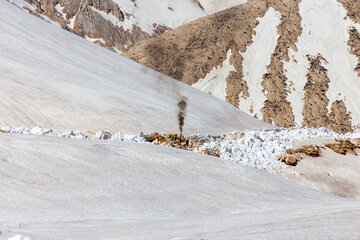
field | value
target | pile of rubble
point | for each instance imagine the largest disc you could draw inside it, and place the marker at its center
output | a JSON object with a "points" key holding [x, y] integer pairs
{"points": [[258, 149], [343, 146]]}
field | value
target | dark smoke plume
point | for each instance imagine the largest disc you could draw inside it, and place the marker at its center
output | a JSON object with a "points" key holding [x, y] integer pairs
{"points": [[182, 112]]}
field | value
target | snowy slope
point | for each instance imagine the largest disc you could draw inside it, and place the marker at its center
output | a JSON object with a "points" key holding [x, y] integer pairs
{"points": [[213, 6], [55, 79], [55, 188]]}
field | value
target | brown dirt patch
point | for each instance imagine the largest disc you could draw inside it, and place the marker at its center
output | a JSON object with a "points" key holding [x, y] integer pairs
{"points": [[354, 43], [315, 101], [277, 109], [353, 9]]}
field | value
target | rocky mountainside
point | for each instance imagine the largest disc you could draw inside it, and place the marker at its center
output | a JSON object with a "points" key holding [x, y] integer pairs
{"points": [[287, 62], [115, 24]]}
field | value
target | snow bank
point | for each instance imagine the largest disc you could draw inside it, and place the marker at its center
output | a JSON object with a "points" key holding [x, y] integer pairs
{"points": [[257, 149], [19, 237]]}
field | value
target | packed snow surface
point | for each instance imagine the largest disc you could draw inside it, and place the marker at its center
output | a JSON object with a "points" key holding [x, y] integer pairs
{"points": [[55, 79], [57, 188]]}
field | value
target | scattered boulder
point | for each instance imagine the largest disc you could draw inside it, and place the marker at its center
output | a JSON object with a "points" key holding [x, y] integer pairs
{"points": [[289, 159], [343, 146], [211, 152], [298, 156], [291, 151], [282, 157], [310, 150]]}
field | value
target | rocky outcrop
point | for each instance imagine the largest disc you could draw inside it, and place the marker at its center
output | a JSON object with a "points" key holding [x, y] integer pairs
{"points": [[83, 18]]}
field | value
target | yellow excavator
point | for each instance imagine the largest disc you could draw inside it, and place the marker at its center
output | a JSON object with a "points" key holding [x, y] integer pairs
{"points": [[171, 137]]}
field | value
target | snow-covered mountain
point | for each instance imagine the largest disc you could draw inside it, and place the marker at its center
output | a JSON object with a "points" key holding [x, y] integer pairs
{"points": [[289, 63], [55, 79], [60, 188], [115, 24]]}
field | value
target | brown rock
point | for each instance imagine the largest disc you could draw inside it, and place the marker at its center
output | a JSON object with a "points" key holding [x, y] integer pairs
{"points": [[344, 146], [298, 156], [357, 142], [291, 151], [211, 152], [311, 150], [291, 160], [282, 157]]}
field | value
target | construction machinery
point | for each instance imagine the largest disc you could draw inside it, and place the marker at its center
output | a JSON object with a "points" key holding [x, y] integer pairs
{"points": [[171, 137]]}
